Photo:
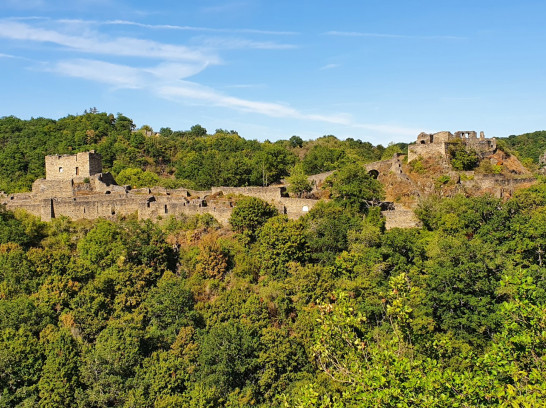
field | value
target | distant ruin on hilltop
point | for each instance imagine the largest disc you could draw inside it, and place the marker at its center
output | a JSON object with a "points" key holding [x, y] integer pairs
{"points": [[76, 186], [438, 143]]}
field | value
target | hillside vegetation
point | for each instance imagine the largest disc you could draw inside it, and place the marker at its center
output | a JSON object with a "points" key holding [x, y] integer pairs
{"points": [[193, 158], [529, 145], [330, 310]]}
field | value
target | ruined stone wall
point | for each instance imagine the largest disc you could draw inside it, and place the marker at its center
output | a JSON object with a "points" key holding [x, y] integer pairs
{"points": [[436, 144], [264, 193], [317, 180], [92, 207], [28, 204], [426, 150], [66, 167], [441, 137], [52, 188], [98, 183], [296, 207], [383, 167], [400, 217]]}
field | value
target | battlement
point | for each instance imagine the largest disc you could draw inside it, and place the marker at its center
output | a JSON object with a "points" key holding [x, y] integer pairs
{"points": [[70, 166]]}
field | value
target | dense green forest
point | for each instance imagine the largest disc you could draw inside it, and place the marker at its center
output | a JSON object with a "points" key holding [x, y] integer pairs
{"points": [[528, 146], [192, 159], [330, 310]]}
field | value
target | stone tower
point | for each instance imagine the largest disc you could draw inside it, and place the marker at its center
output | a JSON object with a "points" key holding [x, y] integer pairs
{"points": [[68, 167]]}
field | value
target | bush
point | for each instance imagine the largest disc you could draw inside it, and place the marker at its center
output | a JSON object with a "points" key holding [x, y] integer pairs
{"points": [[249, 215], [461, 158]]}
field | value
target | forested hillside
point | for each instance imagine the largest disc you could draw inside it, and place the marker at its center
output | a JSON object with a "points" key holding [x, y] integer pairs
{"points": [[330, 310], [193, 158], [529, 145]]}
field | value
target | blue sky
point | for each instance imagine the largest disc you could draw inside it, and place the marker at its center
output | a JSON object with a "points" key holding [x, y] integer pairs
{"points": [[376, 70]]}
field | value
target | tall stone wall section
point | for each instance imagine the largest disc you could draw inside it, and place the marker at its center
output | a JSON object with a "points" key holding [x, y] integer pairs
{"points": [[296, 207], [425, 150], [400, 217]]}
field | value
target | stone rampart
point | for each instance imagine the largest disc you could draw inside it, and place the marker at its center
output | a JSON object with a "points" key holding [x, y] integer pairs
{"points": [[296, 207], [52, 188], [400, 217], [426, 150], [264, 193], [317, 180]]}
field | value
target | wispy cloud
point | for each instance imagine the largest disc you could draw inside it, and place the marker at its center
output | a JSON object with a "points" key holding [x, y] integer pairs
{"points": [[198, 29], [169, 68], [401, 36], [92, 43], [119, 76], [163, 81], [227, 43], [329, 66], [123, 76]]}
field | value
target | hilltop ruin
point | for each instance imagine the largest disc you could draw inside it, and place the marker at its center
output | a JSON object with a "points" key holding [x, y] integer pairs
{"points": [[429, 144], [76, 186]]}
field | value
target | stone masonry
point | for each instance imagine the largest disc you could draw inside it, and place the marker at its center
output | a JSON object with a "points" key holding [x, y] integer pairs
{"points": [[76, 187], [430, 144]]}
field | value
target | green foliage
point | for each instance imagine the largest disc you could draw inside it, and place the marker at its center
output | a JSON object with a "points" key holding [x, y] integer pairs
{"points": [[298, 182], [326, 228], [137, 178], [462, 158], [60, 373], [249, 215], [417, 166], [12, 229], [442, 180], [394, 148], [296, 141], [228, 358], [21, 360], [353, 187], [281, 241], [486, 167], [527, 145], [322, 158], [330, 310], [168, 307], [212, 261]]}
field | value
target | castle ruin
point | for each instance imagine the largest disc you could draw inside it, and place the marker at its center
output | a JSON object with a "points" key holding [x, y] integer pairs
{"points": [[430, 144], [75, 186]]}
